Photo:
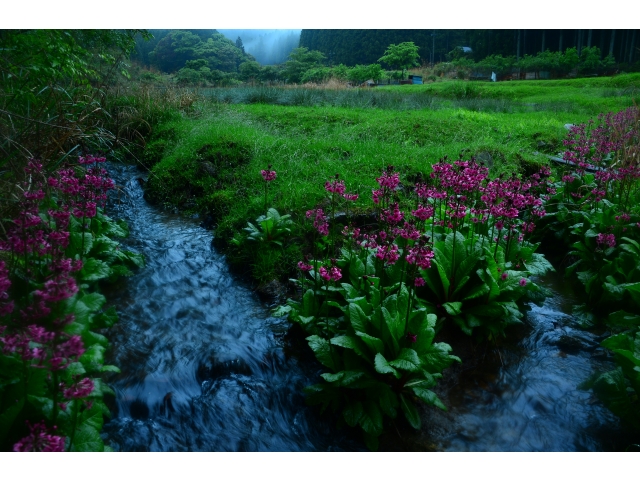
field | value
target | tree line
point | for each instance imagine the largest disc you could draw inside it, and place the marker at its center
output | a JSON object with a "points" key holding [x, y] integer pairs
{"points": [[352, 47]]}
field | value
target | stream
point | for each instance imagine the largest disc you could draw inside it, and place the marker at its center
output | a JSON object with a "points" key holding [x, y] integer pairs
{"points": [[204, 367]]}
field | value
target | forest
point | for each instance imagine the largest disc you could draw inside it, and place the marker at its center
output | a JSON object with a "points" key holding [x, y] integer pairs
{"points": [[353, 47]]}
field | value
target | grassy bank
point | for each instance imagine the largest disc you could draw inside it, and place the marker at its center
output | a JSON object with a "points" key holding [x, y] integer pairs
{"points": [[209, 160]]}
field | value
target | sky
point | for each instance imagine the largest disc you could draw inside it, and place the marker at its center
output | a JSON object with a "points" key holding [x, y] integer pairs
{"points": [[296, 14]]}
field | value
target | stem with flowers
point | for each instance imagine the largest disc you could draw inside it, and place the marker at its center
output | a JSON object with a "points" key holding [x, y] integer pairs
{"points": [[50, 360], [372, 319]]}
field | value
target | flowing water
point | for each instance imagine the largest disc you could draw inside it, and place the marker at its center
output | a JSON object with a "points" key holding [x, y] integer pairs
{"points": [[206, 368]]}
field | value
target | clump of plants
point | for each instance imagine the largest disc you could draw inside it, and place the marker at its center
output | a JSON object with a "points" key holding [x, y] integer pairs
{"points": [[56, 249], [596, 212], [454, 248]]}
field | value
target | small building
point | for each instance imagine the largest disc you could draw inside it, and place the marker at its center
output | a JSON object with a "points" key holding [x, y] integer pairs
{"points": [[416, 79]]}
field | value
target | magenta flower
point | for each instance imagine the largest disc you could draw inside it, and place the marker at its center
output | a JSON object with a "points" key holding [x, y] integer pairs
{"points": [[320, 221], [268, 175], [606, 239], [418, 282], [523, 282], [412, 337], [81, 389], [335, 186], [305, 267], [40, 441], [333, 273], [352, 197]]}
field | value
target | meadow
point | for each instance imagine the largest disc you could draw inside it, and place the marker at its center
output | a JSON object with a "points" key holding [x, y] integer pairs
{"points": [[207, 160]]}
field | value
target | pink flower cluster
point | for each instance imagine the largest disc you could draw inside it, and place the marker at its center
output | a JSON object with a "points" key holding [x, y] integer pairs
{"points": [[36, 240], [338, 187], [39, 440], [330, 274], [320, 221], [268, 175], [606, 239]]}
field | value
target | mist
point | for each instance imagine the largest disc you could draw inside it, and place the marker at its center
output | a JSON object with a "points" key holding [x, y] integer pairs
{"points": [[269, 47]]}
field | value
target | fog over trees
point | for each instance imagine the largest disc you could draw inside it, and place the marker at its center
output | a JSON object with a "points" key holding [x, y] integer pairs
{"points": [[269, 47]]}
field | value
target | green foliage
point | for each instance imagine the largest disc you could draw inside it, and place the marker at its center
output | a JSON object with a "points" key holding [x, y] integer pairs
{"points": [[29, 391], [51, 87], [180, 47], [300, 60], [479, 289], [402, 56], [273, 228], [379, 351], [362, 73]]}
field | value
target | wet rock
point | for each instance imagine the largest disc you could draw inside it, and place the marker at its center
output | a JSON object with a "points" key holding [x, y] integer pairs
{"points": [[208, 222], [272, 292], [213, 369], [575, 343]]}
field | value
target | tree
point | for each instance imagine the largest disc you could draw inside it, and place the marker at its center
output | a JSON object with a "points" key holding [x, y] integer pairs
{"points": [[300, 60], [239, 44], [403, 56], [249, 70], [362, 73]]}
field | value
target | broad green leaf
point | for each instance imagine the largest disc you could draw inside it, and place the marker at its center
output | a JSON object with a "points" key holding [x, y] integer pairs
{"points": [[80, 243], [350, 377], [407, 360], [110, 368], [356, 270], [358, 318], [387, 399], [436, 358], [444, 279], [453, 308], [383, 367], [94, 269], [351, 343], [432, 279], [459, 285], [477, 291], [107, 318], [612, 390], [76, 368], [429, 397], [374, 343], [87, 439], [309, 304], [538, 265], [349, 291], [403, 302], [333, 377], [322, 350], [352, 413], [394, 323], [93, 301], [93, 356], [468, 264], [371, 419], [621, 341], [410, 412]]}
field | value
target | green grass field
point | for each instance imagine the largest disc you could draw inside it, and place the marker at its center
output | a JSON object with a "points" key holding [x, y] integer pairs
{"points": [[209, 161]]}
